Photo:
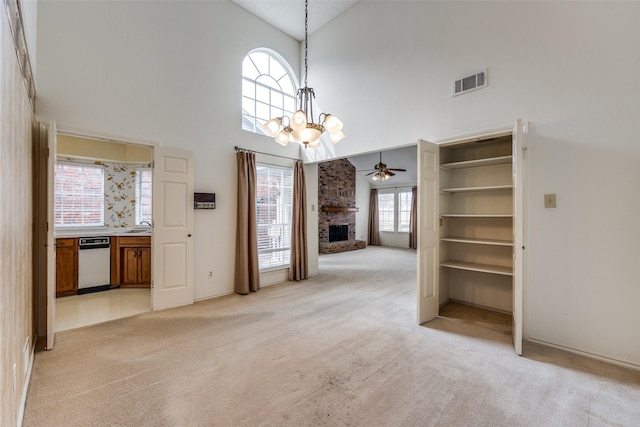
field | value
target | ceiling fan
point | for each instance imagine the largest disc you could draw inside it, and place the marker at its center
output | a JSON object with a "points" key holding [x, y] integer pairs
{"points": [[382, 172]]}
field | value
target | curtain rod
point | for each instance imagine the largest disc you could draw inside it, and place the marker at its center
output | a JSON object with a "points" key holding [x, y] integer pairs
{"points": [[391, 188], [266, 154]]}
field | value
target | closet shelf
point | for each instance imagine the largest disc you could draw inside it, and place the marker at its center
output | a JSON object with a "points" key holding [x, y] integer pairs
{"points": [[483, 268], [491, 161], [472, 189], [491, 242]]}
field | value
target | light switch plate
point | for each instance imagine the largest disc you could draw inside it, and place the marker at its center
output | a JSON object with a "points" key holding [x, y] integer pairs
{"points": [[549, 200]]}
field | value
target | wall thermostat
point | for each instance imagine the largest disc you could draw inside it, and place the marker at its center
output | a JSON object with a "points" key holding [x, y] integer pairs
{"points": [[204, 200]]}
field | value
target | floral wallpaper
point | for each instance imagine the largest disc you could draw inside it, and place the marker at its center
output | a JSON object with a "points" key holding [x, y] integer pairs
{"points": [[119, 191]]}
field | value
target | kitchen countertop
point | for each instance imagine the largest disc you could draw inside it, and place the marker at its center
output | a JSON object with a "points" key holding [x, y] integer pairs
{"points": [[101, 231]]}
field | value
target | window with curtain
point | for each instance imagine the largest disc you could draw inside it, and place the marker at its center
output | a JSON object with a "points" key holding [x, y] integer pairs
{"points": [[404, 210], [386, 211], [268, 89], [143, 184], [274, 196], [78, 195]]}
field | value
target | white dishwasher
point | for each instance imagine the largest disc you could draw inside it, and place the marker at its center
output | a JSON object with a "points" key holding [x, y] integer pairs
{"points": [[94, 264]]}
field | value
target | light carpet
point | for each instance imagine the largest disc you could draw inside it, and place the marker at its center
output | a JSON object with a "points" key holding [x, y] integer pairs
{"points": [[340, 349]]}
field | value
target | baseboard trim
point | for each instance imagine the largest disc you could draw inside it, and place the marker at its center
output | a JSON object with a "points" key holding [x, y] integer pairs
{"points": [[23, 399], [587, 354], [212, 296]]}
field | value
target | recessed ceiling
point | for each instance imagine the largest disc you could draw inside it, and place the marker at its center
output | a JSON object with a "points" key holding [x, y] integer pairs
{"points": [[288, 15]]}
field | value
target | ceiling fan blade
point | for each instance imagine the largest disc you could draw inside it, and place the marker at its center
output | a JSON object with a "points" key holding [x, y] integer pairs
{"points": [[397, 169], [388, 172], [370, 173]]}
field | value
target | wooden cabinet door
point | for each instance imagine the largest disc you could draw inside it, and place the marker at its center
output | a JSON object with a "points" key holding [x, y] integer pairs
{"points": [[144, 266], [129, 264], [136, 267], [66, 267]]}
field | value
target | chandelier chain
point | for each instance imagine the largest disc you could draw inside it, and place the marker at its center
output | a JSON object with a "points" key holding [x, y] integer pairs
{"points": [[306, 43], [301, 126]]}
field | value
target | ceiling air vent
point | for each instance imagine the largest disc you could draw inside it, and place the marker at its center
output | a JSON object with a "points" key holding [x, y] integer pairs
{"points": [[469, 83]]}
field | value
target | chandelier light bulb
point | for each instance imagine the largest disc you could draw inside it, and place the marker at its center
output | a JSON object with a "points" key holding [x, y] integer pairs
{"points": [[282, 137], [272, 127], [307, 134], [333, 124], [337, 137], [315, 143], [298, 121]]}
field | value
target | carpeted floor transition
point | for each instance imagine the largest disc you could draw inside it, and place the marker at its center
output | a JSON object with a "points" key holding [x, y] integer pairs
{"points": [[340, 349]]}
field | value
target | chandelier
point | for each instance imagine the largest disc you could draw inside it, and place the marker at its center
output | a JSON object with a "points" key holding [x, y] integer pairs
{"points": [[301, 126]]}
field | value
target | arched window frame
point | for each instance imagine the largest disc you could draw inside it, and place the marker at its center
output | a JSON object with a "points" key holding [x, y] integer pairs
{"points": [[269, 89]]}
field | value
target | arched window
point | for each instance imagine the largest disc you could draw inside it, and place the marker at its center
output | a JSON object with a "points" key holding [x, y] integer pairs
{"points": [[268, 89]]}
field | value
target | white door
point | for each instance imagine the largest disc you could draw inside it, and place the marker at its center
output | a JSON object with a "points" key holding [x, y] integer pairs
{"points": [[51, 248], [428, 270], [518, 234], [172, 264]]}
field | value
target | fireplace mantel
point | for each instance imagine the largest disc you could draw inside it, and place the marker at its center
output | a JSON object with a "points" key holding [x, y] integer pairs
{"points": [[338, 209]]}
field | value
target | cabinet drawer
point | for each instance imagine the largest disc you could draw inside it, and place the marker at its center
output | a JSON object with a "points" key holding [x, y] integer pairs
{"points": [[137, 241], [66, 243]]}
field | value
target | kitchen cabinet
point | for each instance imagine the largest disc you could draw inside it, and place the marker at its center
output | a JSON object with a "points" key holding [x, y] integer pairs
{"points": [[131, 261], [66, 267]]}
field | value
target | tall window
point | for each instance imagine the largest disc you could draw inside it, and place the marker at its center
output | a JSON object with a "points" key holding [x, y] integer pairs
{"points": [[143, 195], [404, 210], [79, 195], [386, 212], [394, 211], [274, 194], [268, 89]]}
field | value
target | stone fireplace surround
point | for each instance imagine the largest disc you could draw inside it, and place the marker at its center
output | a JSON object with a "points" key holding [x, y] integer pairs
{"points": [[337, 202]]}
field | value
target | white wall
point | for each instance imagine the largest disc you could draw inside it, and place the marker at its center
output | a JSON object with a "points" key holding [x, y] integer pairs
{"points": [[30, 23], [168, 73], [569, 68], [313, 240], [363, 194]]}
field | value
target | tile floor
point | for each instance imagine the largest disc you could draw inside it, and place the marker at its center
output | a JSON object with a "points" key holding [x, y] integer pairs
{"points": [[88, 309]]}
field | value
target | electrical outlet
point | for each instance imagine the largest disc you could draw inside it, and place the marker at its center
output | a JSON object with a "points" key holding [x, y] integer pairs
{"points": [[210, 274], [549, 201]]}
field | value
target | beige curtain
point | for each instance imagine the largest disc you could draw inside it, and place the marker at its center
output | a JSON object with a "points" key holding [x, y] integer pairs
{"points": [[413, 219], [374, 233], [298, 268], [247, 274]]}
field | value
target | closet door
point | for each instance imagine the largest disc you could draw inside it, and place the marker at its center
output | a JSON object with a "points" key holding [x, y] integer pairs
{"points": [[52, 142], [519, 150], [428, 271]]}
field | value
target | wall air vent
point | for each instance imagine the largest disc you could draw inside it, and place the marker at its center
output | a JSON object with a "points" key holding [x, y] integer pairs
{"points": [[469, 83]]}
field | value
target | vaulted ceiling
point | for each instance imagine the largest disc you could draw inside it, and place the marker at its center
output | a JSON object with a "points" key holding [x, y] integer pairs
{"points": [[288, 15]]}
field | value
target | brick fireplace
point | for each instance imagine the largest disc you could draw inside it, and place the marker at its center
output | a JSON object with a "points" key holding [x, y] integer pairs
{"points": [[337, 207]]}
